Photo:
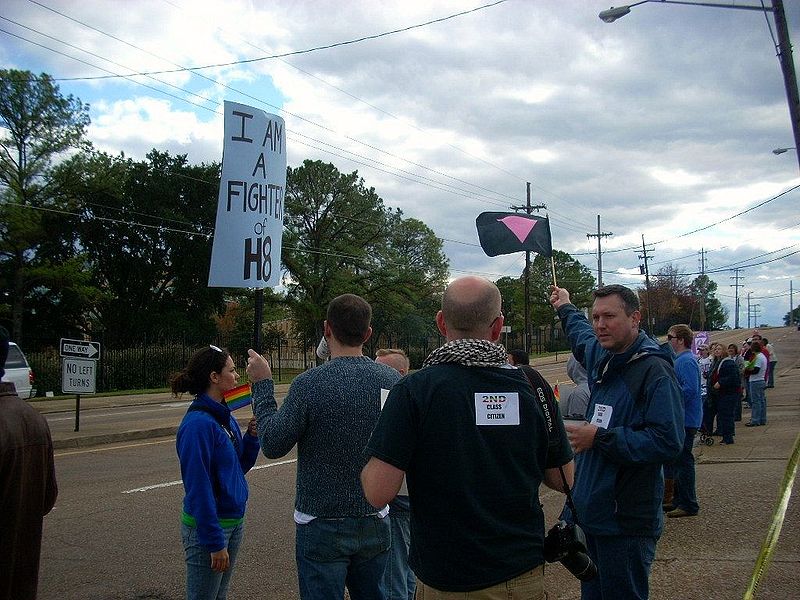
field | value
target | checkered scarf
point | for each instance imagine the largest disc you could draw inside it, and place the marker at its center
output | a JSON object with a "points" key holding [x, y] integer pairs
{"points": [[471, 353]]}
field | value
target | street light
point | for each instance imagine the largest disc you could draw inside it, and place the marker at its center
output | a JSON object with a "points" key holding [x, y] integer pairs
{"points": [[784, 48], [782, 150]]}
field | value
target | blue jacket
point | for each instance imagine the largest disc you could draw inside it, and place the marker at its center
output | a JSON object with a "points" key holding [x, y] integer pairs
{"points": [[619, 482], [212, 469], [688, 373]]}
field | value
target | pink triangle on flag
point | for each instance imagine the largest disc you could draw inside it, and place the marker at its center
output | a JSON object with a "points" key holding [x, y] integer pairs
{"points": [[519, 226]]}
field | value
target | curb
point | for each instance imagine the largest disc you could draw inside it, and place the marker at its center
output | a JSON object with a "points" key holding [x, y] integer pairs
{"points": [[110, 438]]}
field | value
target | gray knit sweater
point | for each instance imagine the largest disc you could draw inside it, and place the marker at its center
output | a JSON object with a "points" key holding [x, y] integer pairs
{"points": [[329, 413]]}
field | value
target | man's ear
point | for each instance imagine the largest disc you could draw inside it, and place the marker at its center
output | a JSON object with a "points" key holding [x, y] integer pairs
{"points": [[440, 324], [497, 328], [369, 335]]}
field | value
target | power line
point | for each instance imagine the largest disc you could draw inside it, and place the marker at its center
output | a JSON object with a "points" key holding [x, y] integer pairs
{"points": [[378, 149], [273, 56], [100, 31]]}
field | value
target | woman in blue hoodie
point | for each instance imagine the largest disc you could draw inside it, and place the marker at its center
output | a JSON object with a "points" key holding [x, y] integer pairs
{"points": [[214, 457]]}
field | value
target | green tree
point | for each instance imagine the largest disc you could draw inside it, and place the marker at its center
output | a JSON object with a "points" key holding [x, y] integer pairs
{"points": [[339, 237], [570, 274], [712, 314], [147, 227], [39, 124], [405, 282]]}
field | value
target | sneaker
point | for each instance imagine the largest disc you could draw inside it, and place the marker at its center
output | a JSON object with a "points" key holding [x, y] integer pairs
{"points": [[679, 512], [751, 424]]}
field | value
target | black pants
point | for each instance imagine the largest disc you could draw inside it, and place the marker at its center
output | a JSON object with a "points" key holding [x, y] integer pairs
{"points": [[726, 412]]}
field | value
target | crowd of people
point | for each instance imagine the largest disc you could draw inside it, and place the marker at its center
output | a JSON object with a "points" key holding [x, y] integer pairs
{"points": [[425, 484]]}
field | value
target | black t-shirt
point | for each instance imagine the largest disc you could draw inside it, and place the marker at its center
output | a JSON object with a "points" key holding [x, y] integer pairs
{"points": [[473, 442]]}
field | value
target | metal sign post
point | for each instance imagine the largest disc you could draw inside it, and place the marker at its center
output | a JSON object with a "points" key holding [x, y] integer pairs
{"points": [[79, 370]]}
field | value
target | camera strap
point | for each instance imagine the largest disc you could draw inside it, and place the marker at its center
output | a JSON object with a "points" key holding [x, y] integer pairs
{"points": [[539, 386]]}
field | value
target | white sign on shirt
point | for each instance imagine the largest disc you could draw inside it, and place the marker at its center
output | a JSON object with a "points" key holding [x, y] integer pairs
{"points": [[602, 415], [499, 408]]}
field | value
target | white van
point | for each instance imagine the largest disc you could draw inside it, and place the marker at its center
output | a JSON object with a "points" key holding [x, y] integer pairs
{"points": [[19, 372]]}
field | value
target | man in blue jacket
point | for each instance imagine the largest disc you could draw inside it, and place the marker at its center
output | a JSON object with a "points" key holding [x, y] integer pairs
{"points": [[687, 370], [635, 424]]}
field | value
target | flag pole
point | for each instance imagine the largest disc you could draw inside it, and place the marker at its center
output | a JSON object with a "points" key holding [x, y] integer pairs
{"points": [[552, 258]]}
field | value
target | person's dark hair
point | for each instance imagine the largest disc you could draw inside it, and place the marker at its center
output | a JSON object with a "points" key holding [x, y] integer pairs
{"points": [[734, 347], [194, 377], [629, 298], [684, 333], [4, 339], [755, 346], [349, 317], [764, 341], [520, 357]]}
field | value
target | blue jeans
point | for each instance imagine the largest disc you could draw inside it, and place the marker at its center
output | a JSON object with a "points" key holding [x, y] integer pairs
{"points": [[771, 377], [399, 579], [685, 496], [623, 566], [201, 582], [334, 553], [758, 402]]}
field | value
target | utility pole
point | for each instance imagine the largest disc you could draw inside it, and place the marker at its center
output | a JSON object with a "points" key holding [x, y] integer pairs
{"points": [[528, 209], [736, 285], [791, 307], [703, 290], [599, 235], [787, 68], [645, 270], [748, 309]]}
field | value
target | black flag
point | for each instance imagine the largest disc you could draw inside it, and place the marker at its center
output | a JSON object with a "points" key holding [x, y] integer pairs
{"points": [[504, 233]]}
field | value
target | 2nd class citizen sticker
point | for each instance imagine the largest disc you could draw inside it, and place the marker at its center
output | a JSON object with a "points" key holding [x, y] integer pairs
{"points": [[497, 408]]}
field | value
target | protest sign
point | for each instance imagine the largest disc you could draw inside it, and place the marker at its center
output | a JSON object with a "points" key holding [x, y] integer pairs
{"points": [[249, 228]]}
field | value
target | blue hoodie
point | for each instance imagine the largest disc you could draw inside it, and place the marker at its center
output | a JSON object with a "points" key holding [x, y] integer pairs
{"points": [[212, 469], [619, 483]]}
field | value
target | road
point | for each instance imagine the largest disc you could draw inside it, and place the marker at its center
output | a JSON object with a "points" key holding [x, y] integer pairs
{"points": [[114, 533]]}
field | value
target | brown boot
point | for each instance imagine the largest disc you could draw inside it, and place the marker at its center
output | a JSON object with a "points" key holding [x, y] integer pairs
{"points": [[669, 489]]}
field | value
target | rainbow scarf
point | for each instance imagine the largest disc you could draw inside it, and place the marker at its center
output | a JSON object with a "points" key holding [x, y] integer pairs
{"points": [[238, 397]]}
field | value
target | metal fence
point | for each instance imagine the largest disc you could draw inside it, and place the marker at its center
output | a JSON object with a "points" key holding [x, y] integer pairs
{"points": [[150, 363]]}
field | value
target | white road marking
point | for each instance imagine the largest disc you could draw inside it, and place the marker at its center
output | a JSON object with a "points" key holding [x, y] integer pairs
{"points": [[156, 486], [107, 448], [85, 414]]}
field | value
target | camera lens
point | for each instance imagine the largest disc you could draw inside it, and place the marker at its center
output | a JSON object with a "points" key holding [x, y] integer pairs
{"points": [[580, 565]]}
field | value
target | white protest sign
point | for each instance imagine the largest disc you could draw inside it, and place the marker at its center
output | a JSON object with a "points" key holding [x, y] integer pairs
{"points": [[249, 229], [700, 339]]}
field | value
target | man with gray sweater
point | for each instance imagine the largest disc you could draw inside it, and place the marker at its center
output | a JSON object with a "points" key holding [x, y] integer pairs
{"points": [[329, 412]]}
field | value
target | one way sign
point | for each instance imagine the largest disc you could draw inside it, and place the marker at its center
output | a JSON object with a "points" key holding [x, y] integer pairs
{"points": [[80, 348]]}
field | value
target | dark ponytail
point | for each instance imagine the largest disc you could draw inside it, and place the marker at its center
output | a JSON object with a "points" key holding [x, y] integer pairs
{"points": [[194, 378]]}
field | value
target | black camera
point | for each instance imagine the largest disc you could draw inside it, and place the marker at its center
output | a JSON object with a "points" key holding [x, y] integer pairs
{"points": [[566, 543]]}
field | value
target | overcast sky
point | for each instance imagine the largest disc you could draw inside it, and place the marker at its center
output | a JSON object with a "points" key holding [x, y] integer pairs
{"points": [[663, 123]]}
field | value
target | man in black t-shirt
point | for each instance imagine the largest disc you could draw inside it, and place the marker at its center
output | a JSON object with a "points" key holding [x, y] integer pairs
{"points": [[474, 441]]}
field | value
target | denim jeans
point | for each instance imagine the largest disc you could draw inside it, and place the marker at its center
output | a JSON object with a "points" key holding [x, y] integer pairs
{"points": [[201, 582], [399, 579], [758, 402], [685, 496], [623, 565], [334, 553], [771, 376]]}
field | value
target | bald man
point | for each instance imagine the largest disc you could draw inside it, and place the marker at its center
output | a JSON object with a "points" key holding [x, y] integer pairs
{"points": [[475, 441]]}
